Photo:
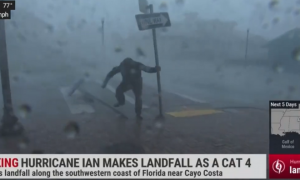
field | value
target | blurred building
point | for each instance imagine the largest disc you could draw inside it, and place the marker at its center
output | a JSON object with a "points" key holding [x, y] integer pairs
{"points": [[280, 49], [197, 38]]}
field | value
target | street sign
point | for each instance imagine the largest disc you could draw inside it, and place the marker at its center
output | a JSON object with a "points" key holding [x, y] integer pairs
{"points": [[143, 5], [153, 20]]}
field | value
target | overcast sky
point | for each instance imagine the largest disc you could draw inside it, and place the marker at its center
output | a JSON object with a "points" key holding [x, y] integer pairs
{"points": [[119, 14]]}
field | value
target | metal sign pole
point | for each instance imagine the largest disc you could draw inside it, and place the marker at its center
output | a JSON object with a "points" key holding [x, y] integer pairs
{"points": [[10, 125], [157, 64]]}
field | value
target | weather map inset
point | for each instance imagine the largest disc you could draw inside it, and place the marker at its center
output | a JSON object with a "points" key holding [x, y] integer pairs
{"points": [[284, 127]]}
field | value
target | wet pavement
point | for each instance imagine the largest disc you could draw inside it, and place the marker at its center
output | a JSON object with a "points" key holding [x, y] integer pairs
{"points": [[86, 124]]}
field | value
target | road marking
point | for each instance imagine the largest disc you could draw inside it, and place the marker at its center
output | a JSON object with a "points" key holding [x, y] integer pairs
{"points": [[191, 113], [127, 98], [189, 98], [76, 102]]}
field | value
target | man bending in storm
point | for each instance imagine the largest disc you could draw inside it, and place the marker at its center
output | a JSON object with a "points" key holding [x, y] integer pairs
{"points": [[131, 72]]}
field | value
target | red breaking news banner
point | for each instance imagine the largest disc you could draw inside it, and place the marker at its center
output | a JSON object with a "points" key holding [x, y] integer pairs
{"points": [[284, 166]]}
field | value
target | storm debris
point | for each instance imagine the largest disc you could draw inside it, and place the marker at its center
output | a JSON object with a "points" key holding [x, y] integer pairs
{"points": [[140, 52]]}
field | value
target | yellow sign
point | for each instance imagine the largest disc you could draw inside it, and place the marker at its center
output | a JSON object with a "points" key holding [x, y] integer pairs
{"points": [[191, 113]]}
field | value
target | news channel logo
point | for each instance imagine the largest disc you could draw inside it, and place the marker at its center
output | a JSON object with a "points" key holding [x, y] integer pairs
{"points": [[278, 166]]}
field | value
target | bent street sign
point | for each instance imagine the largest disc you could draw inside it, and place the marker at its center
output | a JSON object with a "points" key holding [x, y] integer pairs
{"points": [[154, 20]]}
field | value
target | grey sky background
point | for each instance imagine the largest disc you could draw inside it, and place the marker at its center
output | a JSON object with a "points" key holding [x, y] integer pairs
{"points": [[119, 14]]}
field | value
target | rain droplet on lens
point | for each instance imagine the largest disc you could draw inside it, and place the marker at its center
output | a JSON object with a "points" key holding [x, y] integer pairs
{"points": [[296, 54], [120, 117], [148, 130], [180, 2], [23, 142], [86, 74], [24, 110], [13, 23], [297, 12], [118, 49], [275, 20], [164, 29], [61, 43], [21, 37], [265, 25], [269, 80], [218, 69], [184, 45], [154, 104], [291, 35], [278, 68], [292, 89], [158, 125], [15, 78], [132, 71], [163, 6], [273, 4], [289, 10], [50, 28], [71, 130]]}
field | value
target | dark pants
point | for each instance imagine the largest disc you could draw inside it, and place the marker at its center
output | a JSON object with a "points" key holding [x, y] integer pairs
{"points": [[136, 87]]}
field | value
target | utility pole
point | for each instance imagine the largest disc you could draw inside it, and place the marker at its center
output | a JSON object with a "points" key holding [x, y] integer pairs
{"points": [[247, 44], [9, 125], [102, 30]]}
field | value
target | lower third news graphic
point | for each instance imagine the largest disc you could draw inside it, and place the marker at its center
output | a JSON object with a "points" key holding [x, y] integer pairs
{"points": [[4, 14], [284, 158], [137, 166], [5, 9]]}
